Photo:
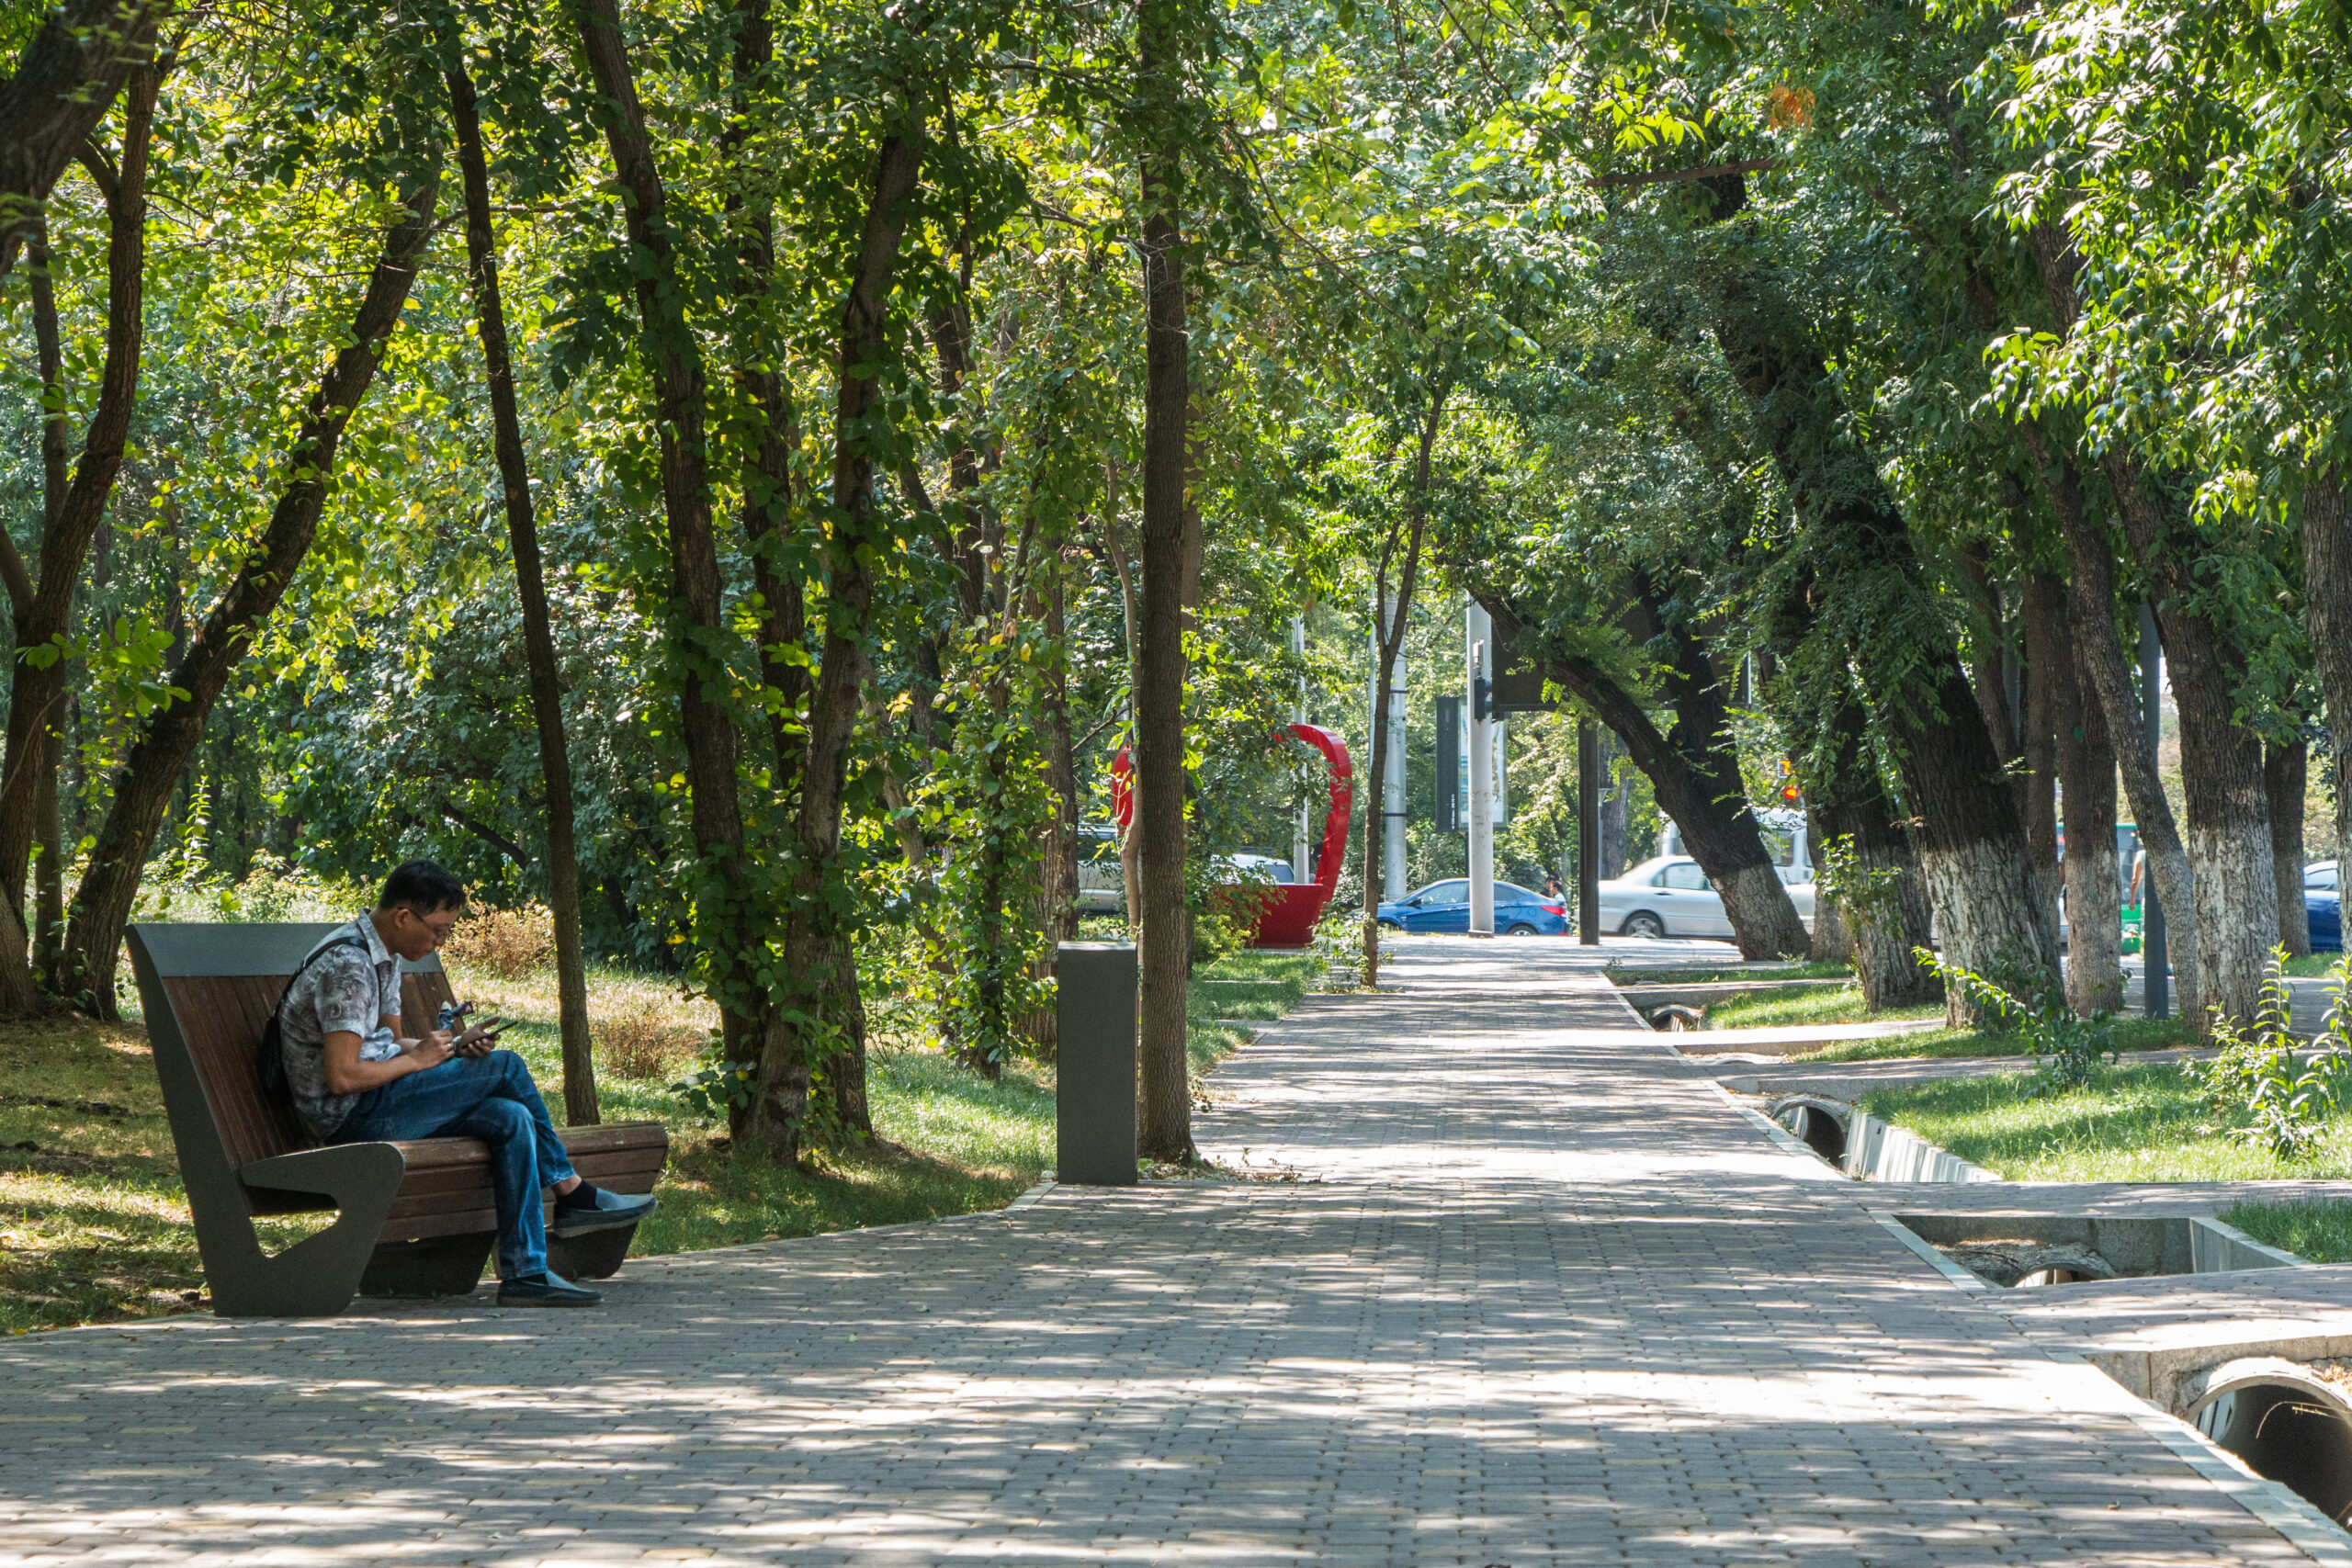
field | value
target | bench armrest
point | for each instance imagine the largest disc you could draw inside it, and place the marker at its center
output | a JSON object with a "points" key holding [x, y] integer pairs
{"points": [[351, 1174]]}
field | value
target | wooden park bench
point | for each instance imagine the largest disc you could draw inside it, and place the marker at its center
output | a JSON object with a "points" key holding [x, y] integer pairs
{"points": [[416, 1217]]}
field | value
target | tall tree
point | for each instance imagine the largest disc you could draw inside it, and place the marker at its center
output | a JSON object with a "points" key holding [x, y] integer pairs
{"points": [[1393, 613], [562, 865], [815, 946], [729, 931], [1872, 609], [44, 617], [144, 785], [1166, 1129]]}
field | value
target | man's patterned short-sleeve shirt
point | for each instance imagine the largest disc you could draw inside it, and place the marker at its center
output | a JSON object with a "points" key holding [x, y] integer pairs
{"points": [[351, 988]]}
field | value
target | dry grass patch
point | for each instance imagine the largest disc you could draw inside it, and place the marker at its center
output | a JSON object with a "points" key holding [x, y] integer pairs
{"points": [[511, 945], [642, 1038]]}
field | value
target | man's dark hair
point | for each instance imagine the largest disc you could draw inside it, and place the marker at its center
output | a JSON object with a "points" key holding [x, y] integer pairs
{"points": [[423, 888]]}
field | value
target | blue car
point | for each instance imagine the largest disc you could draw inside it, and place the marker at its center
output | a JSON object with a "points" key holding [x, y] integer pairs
{"points": [[2327, 921], [2323, 907], [1445, 907]]}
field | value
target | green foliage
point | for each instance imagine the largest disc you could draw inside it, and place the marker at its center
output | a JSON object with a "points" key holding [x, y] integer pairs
{"points": [[1865, 896], [2031, 1004], [994, 805], [2261, 1072]]}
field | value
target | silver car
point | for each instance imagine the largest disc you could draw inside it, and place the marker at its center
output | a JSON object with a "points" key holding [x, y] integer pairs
{"points": [[1669, 895]]}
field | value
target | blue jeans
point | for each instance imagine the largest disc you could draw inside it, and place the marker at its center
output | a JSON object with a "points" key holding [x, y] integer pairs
{"points": [[490, 1097]]}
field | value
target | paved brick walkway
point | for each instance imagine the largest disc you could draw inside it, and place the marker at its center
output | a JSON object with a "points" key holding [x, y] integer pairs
{"points": [[1537, 1300]]}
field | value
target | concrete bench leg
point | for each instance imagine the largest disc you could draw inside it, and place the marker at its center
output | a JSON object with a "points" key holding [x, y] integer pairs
{"points": [[436, 1266], [317, 1276], [596, 1255]]}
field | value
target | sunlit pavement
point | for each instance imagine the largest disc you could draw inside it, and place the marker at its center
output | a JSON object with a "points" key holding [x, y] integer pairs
{"points": [[1535, 1297]]}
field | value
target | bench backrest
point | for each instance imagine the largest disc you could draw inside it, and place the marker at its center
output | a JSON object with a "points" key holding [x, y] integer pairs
{"points": [[208, 991]]}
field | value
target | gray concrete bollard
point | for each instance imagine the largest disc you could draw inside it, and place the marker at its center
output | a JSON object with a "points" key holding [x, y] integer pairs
{"points": [[1094, 1106]]}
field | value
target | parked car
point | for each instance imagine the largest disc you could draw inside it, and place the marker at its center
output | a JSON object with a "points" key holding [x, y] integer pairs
{"points": [[2323, 907], [1787, 839], [1445, 907], [1101, 889], [1248, 866], [1669, 895]]}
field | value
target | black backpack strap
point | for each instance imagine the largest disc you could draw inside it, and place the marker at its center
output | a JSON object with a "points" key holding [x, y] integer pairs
{"points": [[269, 1060]]}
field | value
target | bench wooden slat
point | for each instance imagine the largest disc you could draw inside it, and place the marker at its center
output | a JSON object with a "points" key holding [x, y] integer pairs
{"points": [[223, 1018]]}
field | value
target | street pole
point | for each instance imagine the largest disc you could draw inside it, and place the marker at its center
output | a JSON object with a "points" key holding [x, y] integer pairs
{"points": [[1392, 779], [2156, 988], [1587, 834], [1479, 671], [1300, 870]]}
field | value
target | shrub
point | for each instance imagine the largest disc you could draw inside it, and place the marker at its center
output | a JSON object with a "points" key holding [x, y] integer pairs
{"points": [[2029, 1004], [2286, 1101], [642, 1040], [509, 943]]}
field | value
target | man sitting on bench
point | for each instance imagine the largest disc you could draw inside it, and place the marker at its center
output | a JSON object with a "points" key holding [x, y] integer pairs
{"points": [[353, 1079]]}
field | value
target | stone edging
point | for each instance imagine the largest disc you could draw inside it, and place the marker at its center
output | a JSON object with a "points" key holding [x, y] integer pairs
{"points": [[1880, 1151]]}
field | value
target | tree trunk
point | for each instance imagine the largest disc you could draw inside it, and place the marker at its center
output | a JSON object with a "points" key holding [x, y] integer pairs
{"points": [[2034, 760], [2038, 775], [777, 569], [2234, 908], [2085, 761], [727, 927], [2284, 769], [64, 84], [1166, 1130], [144, 785], [2221, 768], [48, 836], [562, 863], [1971, 844], [2107, 679], [74, 513], [1693, 770], [49, 904], [2327, 612], [1764, 920], [1887, 910], [817, 952]]}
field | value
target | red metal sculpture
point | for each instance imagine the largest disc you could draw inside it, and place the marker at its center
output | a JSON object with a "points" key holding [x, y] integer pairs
{"points": [[1288, 910]]}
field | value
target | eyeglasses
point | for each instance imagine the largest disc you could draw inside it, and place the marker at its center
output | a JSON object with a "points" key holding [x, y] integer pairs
{"points": [[437, 927]]}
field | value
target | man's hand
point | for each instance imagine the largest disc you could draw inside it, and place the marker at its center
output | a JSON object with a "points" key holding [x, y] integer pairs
{"points": [[435, 1047], [481, 1038]]}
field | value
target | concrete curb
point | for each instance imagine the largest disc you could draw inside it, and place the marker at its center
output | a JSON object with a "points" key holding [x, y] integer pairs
{"points": [[1879, 1151]]}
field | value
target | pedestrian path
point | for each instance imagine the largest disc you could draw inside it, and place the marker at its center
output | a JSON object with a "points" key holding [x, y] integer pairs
{"points": [[1517, 1292]]}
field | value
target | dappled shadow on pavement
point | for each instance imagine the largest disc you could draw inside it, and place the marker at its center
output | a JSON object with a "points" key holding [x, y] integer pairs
{"points": [[1532, 1302]]}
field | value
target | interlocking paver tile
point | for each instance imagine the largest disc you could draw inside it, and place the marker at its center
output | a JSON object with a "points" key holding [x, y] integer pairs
{"points": [[1539, 1298]]}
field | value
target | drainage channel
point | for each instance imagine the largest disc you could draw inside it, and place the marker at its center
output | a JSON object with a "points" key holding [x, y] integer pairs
{"points": [[2288, 1420], [2289, 1423]]}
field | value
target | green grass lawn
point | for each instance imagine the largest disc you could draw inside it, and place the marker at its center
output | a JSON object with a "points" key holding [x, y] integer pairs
{"points": [[2316, 1229], [1629, 977], [2128, 1035], [2129, 1123], [1769, 1009], [94, 1222]]}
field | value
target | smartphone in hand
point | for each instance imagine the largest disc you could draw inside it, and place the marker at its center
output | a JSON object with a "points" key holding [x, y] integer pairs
{"points": [[480, 1039]]}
